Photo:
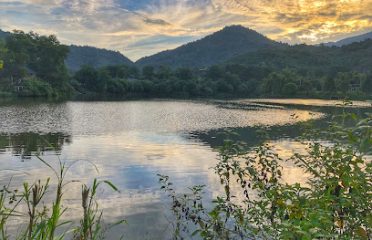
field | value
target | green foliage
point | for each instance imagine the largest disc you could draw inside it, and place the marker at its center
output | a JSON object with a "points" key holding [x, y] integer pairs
{"points": [[34, 64], [228, 80], [2, 54], [184, 74], [34, 87], [148, 72], [334, 203], [282, 83], [329, 85], [92, 79], [319, 60], [44, 222], [117, 86], [367, 85], [91, 225], [289, 89]]}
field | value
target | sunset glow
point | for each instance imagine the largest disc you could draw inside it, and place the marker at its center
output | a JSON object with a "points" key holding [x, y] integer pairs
{"points": [[142, 27]]}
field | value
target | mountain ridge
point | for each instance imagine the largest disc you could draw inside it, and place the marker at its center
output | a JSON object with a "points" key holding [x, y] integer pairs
{"points": [[355, 56], [95, 57], [212, 49], [232, 43], [350, 40]]}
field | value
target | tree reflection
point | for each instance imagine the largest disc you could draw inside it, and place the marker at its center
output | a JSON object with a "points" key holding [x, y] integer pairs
{"points": [[30, 144]]}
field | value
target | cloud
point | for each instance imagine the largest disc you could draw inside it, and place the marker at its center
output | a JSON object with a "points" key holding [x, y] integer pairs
{"points": [[130, 25], [155, 21], [309, 21]]}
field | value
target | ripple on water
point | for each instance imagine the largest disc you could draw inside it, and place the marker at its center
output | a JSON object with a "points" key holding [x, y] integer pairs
{"points": [[98, 118]]}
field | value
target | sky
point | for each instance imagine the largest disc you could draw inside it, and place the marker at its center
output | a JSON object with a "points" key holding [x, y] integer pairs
{"points": [[140, 28]]}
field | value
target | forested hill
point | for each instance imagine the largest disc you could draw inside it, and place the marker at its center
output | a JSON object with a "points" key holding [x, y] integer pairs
{"points": [[213, 49], [315, 59], [350, 40], [84, 55]]}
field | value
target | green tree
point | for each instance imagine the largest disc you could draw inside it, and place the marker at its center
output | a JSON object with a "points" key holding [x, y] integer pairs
{"points": [[19, 45], [342, 82], [163, 73], [184, 74], [215, 72], [47, 59], [118, 71], [87, 76], [329, 85], [2, 54], [289, 89], [275, 82], [148, 72], [117, 86], [42, 56], [102, 78], [367, 84], [136, 86]]}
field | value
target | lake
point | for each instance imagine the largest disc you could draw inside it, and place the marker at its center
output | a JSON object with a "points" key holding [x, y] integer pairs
{"points": [[130, 142]]}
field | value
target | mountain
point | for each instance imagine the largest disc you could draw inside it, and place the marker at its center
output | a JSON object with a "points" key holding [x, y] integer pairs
{"points": [[95, 57], [316, 59], [213, 49], [350, 40], [85, 55]]}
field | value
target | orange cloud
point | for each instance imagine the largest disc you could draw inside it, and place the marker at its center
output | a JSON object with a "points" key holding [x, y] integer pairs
{"points": [[304, 20]]}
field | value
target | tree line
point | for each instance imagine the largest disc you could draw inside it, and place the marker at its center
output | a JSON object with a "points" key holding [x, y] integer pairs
{"points": [[220, 81], [34, 65]]}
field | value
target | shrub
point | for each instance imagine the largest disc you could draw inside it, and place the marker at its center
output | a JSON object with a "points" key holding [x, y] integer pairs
{"points": [[34, 87], [335, 202]]}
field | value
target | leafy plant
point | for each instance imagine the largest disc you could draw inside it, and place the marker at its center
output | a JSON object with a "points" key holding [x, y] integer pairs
{"points": [[334, 203], [44, 221], [91, 225]]}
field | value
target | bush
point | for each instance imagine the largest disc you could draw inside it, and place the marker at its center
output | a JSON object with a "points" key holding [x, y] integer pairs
{"points": [[335, 202], [34, 87], [117, 86], [289, 89]]}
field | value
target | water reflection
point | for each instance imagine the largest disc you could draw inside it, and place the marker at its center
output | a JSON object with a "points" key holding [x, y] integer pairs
{"points": [[112, 118], [311, 102], [26, 145]]}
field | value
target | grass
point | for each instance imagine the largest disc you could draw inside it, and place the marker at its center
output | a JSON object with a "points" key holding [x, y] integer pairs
{"points": [[45, 222]]}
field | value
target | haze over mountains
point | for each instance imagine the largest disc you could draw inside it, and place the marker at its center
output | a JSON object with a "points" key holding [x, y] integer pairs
{"points": [[350, 40], [233, 44], [3, 34]]}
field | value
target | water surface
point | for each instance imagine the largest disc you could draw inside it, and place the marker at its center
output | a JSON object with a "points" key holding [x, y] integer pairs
{"points": [[130, 142]]}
